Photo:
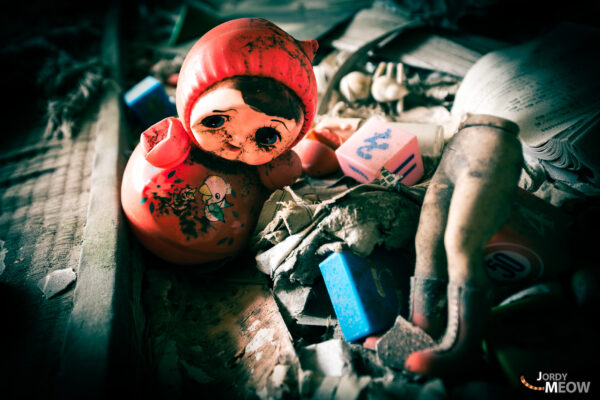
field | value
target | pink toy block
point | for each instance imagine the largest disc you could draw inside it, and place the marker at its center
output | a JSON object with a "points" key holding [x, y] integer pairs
{"points": [[378, 144]]}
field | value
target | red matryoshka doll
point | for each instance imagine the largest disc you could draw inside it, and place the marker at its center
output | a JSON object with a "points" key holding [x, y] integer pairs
{"points": [[194, 186]]}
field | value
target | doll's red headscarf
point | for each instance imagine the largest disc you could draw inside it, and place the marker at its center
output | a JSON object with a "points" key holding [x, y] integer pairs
{"points": [[250, 47]]}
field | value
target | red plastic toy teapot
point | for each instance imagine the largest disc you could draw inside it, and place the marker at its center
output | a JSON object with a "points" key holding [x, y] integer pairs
{"points": [[194, 186]]}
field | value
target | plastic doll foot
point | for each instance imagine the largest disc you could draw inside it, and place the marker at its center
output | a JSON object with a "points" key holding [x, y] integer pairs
{"points": [[468, 311], [428, 304]]}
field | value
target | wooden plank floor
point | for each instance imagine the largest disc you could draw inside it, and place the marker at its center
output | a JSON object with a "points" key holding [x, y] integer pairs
{"points": [[216, 332], [44, 192], [59, 208]]}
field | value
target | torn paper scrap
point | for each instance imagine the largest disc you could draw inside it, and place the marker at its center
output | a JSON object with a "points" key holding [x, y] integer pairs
{"points": [[359, 218], [56, 282]]}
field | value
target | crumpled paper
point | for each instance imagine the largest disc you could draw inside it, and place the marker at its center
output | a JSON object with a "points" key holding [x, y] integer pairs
{"points": [[300, 225]]}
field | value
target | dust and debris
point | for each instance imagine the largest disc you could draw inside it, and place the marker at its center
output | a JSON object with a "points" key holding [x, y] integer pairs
{"points": [[56, 282], [359, 383], [343, 216], [300, 225], [358, 218]]}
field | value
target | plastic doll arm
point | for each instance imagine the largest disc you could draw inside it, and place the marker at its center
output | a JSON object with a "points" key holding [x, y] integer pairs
{"points": [[166, 143], [282, 171]]}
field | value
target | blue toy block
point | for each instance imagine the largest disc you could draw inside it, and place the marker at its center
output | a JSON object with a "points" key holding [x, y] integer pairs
{"points": [[149, 101], [362, 292]]}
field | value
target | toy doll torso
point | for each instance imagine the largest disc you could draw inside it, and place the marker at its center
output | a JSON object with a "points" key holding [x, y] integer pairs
{"points": [[199, 211]]}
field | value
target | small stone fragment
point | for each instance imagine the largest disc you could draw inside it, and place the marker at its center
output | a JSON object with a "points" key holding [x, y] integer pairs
{"points": [[56, 282], [401, 340]]}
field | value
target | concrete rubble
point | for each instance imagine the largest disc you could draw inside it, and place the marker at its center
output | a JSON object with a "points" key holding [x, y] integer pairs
{"points": [[401, 340]]}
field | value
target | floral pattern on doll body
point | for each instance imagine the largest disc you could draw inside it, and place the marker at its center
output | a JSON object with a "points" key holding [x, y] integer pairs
{"points": [[175, 217], [252, 92]]}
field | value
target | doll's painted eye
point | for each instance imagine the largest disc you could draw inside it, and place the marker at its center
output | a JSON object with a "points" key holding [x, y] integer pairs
{"points": [[214, 121], [267, 136]]}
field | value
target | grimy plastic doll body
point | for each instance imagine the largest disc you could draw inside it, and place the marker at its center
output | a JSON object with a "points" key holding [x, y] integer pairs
{"points": [[468, 200], [194, 186]]}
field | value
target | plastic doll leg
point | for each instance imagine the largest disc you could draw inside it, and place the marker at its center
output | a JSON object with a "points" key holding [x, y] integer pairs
{"points": [[429, 241], [473, 218], [468, 230], [468, 311], [428, 304], [427, 297], [469, 227], [485, 168]]}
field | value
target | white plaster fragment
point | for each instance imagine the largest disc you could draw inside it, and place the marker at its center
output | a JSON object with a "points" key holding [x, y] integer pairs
{"points": [[56, 281], [262, 336], [252, 327], [329, 358], [3, 252], [278, 376]]}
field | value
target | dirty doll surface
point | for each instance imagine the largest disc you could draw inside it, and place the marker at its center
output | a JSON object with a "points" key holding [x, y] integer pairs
{"points": [[193, 187]]}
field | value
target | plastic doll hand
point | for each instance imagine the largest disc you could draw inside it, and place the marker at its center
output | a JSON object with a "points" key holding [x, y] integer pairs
{"points": [[467, 201], [166, 143], [385, 86], [280, 172]]}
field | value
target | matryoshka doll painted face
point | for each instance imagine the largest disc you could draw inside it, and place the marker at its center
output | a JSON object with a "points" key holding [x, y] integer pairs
{"points": [[247, 119]]}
